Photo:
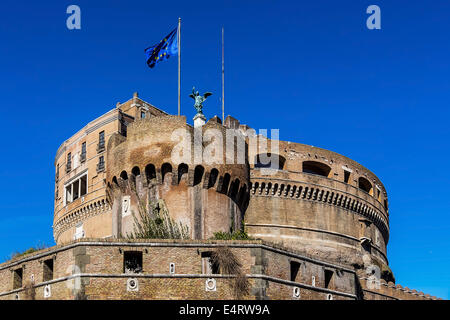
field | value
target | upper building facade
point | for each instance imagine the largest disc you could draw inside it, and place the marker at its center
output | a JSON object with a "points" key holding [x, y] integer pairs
{"points": [[319, 220], [312, 200]]}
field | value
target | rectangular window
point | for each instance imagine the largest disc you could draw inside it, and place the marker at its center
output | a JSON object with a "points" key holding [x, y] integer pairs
{"points": [[295, 267], [76, 189], [346, 176], [83, 152], [83, 185], [328, 278], [69, 162], [17, 278], [101, 164], [208, 266], [68, 193], [132, 262], [101, 141], [48, 270]]}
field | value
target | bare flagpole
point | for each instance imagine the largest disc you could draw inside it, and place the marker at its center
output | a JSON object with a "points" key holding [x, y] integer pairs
{"points": [[179, 63], [223, 81]]}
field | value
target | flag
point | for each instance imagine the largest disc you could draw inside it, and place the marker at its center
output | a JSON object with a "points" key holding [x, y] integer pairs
{"points": [[166, 48]]}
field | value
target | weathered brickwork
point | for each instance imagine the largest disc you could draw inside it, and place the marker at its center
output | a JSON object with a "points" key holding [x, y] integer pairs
{"points": [[94, 269], [322, 218]]}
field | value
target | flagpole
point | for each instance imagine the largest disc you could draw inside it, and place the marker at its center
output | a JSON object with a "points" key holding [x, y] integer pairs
{"points": [[223, 81], [179, 63]]}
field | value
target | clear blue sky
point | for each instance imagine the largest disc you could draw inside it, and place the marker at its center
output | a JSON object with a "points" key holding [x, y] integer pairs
{"points": [[310, 68]]}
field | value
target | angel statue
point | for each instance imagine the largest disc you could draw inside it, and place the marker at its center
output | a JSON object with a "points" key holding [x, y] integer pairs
{"points": [[198, 105]]}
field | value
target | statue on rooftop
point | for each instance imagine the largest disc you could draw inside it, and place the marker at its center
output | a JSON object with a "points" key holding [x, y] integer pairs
{"points": [[198, 105]]}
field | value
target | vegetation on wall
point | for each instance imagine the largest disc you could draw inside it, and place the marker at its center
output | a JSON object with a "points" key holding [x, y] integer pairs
{"points": [[16, 254], [236, 235], [154, 222], [229, 264]]}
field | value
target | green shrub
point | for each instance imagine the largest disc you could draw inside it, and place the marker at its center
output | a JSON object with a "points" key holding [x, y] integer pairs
{"points": [[17, 254], [156, 223], [236, 235]]}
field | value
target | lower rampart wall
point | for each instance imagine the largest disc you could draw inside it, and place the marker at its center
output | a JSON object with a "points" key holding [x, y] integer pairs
{"points": [[95, 269]]}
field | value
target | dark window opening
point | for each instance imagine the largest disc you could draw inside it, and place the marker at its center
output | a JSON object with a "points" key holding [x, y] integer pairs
{"points": [[208, 265], [83, 152], [135, 171], [213, 178], [76, 186], [318, 168], [69, 162], [385, 204], [83, 185], [225, 183], [17, 278], [48, 270], [264, 160], [142, 114], [150, 172], [101, 164], [132, 262], [198, 174], [365, 185], [124, 175], [101, 141], [328, 277], [295, 267], [346, 176], [182, 171], [165, 169]]}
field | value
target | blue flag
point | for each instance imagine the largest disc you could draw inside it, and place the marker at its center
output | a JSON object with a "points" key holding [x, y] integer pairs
{"points": [[163, 50]]}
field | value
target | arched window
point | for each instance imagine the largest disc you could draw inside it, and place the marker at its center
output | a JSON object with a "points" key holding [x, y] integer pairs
{"points": [[198, 174], [225, 182], [150, 172], [124, 175], [165, 169], [136, 171], [182, 170], [318, 168], [270, 161], [365, 185], [234, 189], [213, 177]]}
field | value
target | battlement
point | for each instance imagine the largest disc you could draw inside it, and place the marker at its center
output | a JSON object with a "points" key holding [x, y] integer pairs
{"points": [[306, 202]]}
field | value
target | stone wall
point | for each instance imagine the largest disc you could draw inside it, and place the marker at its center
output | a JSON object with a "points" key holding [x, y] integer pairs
{"points": [[94, 269]]}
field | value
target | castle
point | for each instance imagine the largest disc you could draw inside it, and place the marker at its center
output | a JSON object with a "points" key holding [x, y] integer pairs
{"points": [[318, 221]]}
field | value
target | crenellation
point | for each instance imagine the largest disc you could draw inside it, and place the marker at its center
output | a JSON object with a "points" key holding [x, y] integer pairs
{"points": [[321, 217]]}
